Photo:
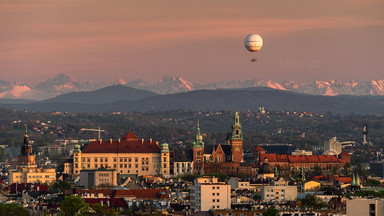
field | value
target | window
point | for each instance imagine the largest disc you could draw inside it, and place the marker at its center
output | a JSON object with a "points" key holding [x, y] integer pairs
{"points": [[76, 159], [218, 188], [101, 159], [213, 194], [218, 200], [121, 159], [106, 160], [165, 159], [213, 187], [218, 194], [95, 159], [136, 165], [125, 159], [136, 159], [114, 159], [88, 160], [213, 200]]}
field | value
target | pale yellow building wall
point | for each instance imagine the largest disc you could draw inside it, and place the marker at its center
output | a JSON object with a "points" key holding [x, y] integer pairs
{"points": [[311, 186], [125, 163], [33, 176]]}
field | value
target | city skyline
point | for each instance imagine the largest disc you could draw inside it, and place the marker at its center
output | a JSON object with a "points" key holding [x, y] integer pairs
{"points": [[199, 41]]}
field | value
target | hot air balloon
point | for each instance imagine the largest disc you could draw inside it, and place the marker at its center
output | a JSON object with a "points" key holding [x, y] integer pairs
{"points": [[253, 43]]}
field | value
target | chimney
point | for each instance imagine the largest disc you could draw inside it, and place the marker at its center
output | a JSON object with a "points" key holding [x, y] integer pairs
{"points": [[101, 140], [150, 140], [119, 140], [108, 203], [110, 141], [142, 140]]}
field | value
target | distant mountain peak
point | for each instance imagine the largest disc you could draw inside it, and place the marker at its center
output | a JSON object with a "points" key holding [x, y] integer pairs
{"points": [[120, 82]]}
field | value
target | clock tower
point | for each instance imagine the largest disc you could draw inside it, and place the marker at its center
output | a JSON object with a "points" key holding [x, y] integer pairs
{"points": [[236, 140], [198, 152]]}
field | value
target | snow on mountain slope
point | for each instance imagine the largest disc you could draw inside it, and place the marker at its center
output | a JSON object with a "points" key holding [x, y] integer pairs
{"points": [[62, 84]]}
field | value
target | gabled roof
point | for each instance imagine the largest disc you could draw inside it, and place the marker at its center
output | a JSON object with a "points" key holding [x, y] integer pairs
{"points": [[130, 137], [302, 158], [113, 202], [143, 193], [258, 148], [128, 144]]}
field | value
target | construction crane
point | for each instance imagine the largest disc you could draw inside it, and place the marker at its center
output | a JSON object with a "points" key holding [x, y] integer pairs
{"points": [[97, 130]]}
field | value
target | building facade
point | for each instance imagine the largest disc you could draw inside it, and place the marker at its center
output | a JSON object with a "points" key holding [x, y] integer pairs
{"points": [[369, 207], [128, 155], [27, 170], [279, 190], [207, 193], [98, 178]]}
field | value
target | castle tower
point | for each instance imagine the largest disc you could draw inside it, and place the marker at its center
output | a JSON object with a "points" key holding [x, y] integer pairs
{"points": [[198, 152], [236, 139], [77, 166], [26, 157], [164, 169]]}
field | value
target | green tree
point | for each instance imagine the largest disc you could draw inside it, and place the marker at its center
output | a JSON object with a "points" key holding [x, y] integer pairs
{"points": [[12, 209], [317, 170], [101, 210], [271, 212], [312, 202], [347, 169], [60, 186], [74, 206]]}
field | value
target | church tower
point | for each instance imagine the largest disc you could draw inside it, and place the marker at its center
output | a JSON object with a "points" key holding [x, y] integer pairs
{"points": [[236, 139], [26, 157], [198, 152]]}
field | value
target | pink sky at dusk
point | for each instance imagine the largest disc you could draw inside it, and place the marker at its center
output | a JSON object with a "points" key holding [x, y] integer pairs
{"points": [[199, 40]]}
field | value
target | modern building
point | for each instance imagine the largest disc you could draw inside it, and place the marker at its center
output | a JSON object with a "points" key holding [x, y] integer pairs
{"points": [[369, 207], [302, 152], [27, 170], [128, 155], [279, 191], [207, 193], [94, 178]]}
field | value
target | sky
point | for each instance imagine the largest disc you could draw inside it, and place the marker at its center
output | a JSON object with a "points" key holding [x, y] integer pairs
{"points": [[200, 40]]}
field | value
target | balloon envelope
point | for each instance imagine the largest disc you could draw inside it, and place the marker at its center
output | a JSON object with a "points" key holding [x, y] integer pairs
{"points": [[253, 42]]}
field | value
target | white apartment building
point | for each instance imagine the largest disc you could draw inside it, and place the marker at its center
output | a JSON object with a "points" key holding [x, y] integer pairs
{"points": [[207, 193], [279, 190]]}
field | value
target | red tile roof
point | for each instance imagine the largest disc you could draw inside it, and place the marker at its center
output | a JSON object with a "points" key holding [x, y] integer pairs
{"points": [[344, 153], [113, 202], [130, 137], [19, 187], [128, 144], [258, 148], [302, 158], [143, 193], [345, 180]]}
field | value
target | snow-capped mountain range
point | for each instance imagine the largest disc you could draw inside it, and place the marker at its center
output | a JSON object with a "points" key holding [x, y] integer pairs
{"points": [[62, 84]]}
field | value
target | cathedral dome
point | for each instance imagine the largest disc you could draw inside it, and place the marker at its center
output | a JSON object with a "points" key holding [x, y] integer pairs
{"points": [[265, 168]]}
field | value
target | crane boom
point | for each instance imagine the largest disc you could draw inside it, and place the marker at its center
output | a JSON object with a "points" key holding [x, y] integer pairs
{"points": [[96, 130]]}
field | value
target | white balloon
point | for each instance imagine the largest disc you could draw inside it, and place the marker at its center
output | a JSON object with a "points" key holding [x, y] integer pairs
{"points": [[253, 42]]}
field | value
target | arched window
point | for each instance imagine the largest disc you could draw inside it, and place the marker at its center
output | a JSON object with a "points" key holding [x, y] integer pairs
{"points": [[198, 154]]}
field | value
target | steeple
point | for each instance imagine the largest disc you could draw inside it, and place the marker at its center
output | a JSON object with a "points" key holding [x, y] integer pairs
{"points": [[236, 128], [26, 149], [357, 180], [353, 183], [198, 138]]}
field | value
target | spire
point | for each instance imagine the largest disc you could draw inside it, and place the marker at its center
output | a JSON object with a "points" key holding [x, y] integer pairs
{"points": [[302, 174], [353, 180], [357, 180], [236, 128], [276, 172], [198, 138]]}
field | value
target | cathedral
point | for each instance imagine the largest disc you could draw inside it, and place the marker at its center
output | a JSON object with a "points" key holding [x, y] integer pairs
{"points": [[223, 158]]}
